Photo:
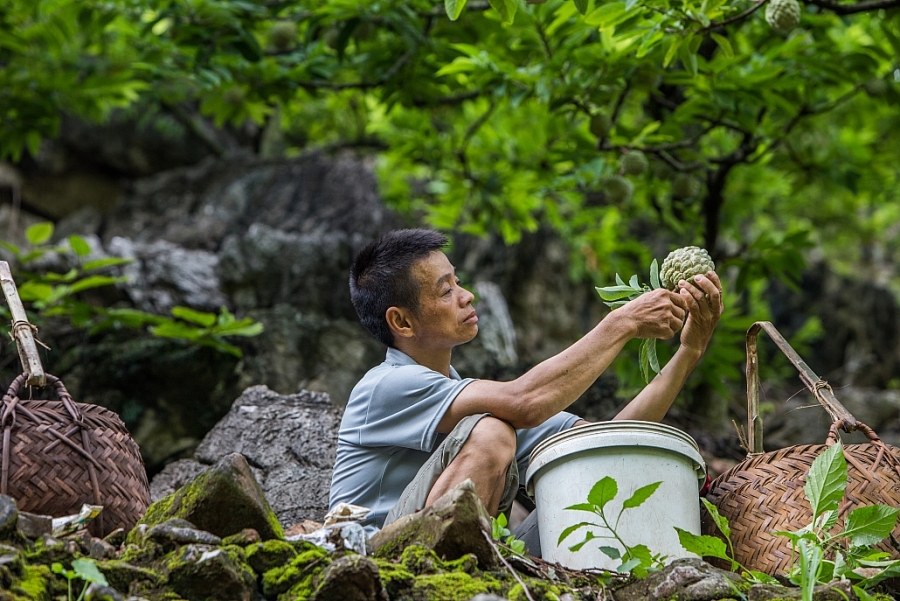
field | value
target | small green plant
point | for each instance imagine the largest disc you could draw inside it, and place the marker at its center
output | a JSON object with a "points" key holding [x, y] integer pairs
{"points": [[82, 569], [635, 559], [822, 551], [619, 295], [500, 533], [50, 294]]}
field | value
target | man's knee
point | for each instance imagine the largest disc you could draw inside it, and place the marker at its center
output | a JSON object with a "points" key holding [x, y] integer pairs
{"points": [[492, 438]]}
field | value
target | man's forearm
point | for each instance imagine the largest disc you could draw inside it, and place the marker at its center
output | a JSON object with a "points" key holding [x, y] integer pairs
{"points": [[652, 403]]}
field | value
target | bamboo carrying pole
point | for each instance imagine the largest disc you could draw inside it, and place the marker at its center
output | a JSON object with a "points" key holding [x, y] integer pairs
{"points": [[22, 330]]}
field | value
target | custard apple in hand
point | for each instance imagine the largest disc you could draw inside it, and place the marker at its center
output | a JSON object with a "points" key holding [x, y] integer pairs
{"points": [[684, 264]]}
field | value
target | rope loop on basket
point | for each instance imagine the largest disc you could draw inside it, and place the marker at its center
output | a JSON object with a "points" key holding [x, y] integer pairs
{"points": [[27, 325]]}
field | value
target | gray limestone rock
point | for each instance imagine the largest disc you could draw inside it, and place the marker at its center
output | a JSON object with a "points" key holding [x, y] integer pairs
{"points": [[290, 440], [684, 579], [9, 516]]}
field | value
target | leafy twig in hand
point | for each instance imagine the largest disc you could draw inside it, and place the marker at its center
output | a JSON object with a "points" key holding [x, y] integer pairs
{"points": [[619, 295]]}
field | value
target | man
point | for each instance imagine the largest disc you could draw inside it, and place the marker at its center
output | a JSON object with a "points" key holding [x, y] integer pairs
{"points": [[413, 429]]}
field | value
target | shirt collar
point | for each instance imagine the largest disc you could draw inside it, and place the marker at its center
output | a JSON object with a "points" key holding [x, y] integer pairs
{"points": [[396, 358]]}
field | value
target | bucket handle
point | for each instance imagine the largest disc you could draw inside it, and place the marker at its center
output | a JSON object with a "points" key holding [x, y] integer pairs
{"points": [[819, 387]]}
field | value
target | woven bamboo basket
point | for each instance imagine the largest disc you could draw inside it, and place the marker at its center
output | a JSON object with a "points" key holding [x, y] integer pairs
{"points": [[58, 455], [764, 493]]}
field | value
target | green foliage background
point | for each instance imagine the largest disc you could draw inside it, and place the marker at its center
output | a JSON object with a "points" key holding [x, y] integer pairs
{"points": [[481, 124]]}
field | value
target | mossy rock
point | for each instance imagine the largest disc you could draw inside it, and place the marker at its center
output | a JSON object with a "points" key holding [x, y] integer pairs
{"points": [[540, 590], [452, 586], [301, 569], [349, 578], [264, 556], [201, 573], [47, 551], [128, 578], [223, 500], [36, 583], [396, 578]]}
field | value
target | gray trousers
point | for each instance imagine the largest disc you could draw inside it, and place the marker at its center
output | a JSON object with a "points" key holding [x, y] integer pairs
{"points": [[413, 497]]}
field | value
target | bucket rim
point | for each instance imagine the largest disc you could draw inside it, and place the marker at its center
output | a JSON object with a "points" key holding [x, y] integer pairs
{"points": [[620, 433]]}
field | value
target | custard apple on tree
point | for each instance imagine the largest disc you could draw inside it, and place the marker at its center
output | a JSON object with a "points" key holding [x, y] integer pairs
{"points": [[684, 264], [783, 14], [634, 162], [685, 186], [283, 35], [600, 125], [618, 189]]}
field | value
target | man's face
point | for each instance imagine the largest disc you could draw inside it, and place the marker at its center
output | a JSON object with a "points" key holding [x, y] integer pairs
{"points": [[446, 316]]}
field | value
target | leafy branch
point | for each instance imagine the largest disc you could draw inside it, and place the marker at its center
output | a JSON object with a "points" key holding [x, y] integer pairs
{"points": [[636, 559], [620, 295]]}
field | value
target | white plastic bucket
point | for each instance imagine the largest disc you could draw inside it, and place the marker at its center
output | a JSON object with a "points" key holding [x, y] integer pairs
{"points": [[566, 466]]}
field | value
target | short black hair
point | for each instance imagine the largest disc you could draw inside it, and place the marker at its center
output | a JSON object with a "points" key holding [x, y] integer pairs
{"points": [[382, 277]]}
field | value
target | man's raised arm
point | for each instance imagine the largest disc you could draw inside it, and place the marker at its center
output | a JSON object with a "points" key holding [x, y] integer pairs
{"points": [[557, 382]]}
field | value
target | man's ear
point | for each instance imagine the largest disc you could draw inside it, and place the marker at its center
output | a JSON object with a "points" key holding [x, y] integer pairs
{"points": [[400, 322]]}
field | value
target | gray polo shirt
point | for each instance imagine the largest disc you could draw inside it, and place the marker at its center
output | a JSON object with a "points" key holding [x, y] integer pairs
{"points": [[389, 430]]}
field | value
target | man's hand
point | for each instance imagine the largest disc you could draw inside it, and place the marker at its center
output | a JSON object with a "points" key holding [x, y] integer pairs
{"points": [[703, 299], [656, 314]]}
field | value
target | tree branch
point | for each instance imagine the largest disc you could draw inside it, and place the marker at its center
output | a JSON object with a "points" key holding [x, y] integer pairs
{"points": [[850, 9], [757, 4]]}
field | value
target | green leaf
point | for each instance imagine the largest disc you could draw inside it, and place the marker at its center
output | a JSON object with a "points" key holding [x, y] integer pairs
{"points": [[79, 246], [107, 262], [611, 552], [720, 520], [634, 282], [39, 233], [577, 547], [198, 317], [640, 495], [644, 359], [10, 247], [724, 44], [506, 8], [93, 281], [244, 327], [172, 329], [35, 291], [604, 491], [567, 531], [581, 5], [870, 524], [582, 507], [454, 8], [613, 293], [86, 569], [702, 545], [628, 566], [654, 275], [891, 571], [826, 480], [652, 359], [862, 595]]}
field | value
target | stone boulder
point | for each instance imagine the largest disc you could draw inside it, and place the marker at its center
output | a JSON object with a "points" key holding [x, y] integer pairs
{"points": [[289, 440], [223, 500]]}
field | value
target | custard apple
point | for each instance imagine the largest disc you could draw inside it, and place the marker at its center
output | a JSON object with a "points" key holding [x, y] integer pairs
{"points": [[283, 35], [783, 14], [618, 189], [600, 125], [685, 186], [684, 264], [634, 162]]}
